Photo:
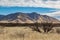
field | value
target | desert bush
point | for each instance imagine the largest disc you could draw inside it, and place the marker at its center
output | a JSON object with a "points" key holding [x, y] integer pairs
{"points": [[47, 27]]}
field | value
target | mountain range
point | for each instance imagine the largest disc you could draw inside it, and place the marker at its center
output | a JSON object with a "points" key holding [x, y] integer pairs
{"points": [[20, 17]]}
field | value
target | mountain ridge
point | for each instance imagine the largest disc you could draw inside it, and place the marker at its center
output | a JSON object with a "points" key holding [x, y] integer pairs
{"points": [[20, 17]]}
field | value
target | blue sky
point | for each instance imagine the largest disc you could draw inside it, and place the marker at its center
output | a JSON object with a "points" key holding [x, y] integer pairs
{"points": [[41, 10], [44, 7]]}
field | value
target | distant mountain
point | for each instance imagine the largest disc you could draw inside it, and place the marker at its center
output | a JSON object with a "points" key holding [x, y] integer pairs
{"points": [[1, 16], [33, 17]]}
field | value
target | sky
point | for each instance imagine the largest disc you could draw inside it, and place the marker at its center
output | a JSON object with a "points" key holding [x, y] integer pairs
{"points": [[44, 7]]}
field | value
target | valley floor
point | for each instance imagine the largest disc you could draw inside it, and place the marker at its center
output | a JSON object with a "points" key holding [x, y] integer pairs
{"points": [[25, 33]]}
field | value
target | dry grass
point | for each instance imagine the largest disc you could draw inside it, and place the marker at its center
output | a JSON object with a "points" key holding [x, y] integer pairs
{"points": [[26, 33]]}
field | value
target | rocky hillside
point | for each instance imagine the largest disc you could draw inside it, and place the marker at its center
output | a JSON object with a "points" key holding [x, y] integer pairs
{"points": [[19, 17]]}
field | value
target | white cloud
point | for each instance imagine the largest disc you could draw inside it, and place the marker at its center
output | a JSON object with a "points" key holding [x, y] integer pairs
{"points": [[54, 14], [31, 3]]}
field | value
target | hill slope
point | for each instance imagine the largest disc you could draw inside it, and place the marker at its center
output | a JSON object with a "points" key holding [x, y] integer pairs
{"points": [[33, 17]]}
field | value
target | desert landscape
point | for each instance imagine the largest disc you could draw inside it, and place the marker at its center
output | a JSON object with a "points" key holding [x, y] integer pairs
{"points": [[32, 26], [29, 19]]}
